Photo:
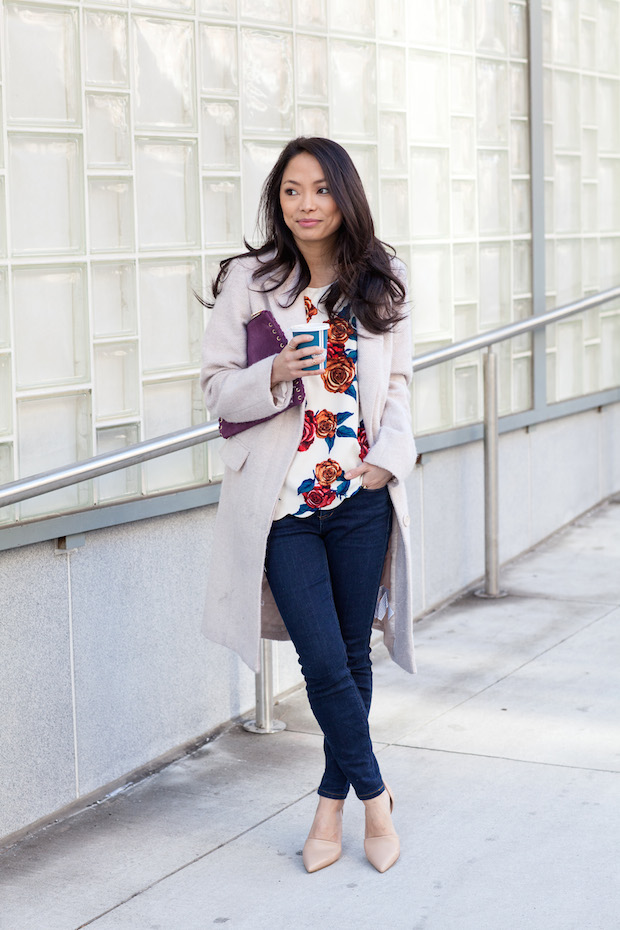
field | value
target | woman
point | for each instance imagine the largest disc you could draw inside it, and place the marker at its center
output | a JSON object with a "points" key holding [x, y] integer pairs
{"points": [[311, 531]]}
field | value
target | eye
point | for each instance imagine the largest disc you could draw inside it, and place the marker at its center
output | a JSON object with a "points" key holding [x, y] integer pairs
{"points": [[290, 191], [323, 190]]}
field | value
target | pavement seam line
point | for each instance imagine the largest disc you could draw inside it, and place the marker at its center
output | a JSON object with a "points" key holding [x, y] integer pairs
{"points": [[486, 755], [186, 865]]}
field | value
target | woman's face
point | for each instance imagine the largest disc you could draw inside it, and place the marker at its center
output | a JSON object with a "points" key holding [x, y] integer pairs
{"points": [[309, 210]]}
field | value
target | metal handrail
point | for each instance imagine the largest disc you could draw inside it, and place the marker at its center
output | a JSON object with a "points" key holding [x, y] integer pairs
{"points": [[34, 485]]}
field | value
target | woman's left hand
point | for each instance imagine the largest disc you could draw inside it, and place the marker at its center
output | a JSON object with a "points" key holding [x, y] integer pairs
{"points": [[373, 477]]}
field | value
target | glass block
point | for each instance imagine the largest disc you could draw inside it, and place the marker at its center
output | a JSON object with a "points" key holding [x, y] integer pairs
{"points": [[222, 211], [518, 30], [465, 271], [589, 207], [463, 146], [433, 398], [549, 207], [167, 188], [5, 332], [522, 386], [591, 368], [493, 192], [258, 160], [491, 26], [565, 33], [2, 219], [394, 210], [50, 92], [609, 195], [522, 310], [170, 406], [355, 16], [608, 262], [105, 37], [610, 351], [587, 41], [549, 151], [428, 22], [607, 50], [589, 8], [267, 92], [219, 66], [591, 323], [364, 157], [519, 147], [461, 24], [393, 143], [108, 139], [6, 394], [551, 377], [466, 393], [50, 301], [123, 483], [590, 263], [465, 321], [181, 6], [566, 117], [113, 298], [589, 155], [311, 70], [164, 73], [429, 111], [215, 465], [54, 431], [311, 13], [492, 115], [392, 77], [430, 193], [353, 89], [268, 11], [567, 183], [313, 121], [117, 384], [7, 514], [45, 194], [495, 286], [170, 315], [548, 92], [550, 267], [463, 209], [569, 371], [522, 267], [589, 100], [110, 205], [391, 21], [463, 98], [568, 270], [521, 207], [430, 279], [608, 116], [219, 133], [227, 8]]}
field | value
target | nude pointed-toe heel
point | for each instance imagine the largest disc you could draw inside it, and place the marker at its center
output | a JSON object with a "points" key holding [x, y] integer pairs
{"points": [[318, 854], [383, 851]]}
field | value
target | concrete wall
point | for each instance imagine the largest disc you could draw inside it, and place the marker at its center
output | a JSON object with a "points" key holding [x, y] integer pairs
{"points": [[104, 667]]}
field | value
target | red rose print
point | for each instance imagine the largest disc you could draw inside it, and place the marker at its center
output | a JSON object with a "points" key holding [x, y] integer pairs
{"points": [[309, 431], [334, 350], [339, 331], [326, 472], [339, 374], [326, 424], [362, 438], [310, 309], [319, 497]]}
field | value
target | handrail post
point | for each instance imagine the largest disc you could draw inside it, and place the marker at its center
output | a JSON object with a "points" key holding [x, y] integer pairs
{"points": [[491, 478], [265, 721]]}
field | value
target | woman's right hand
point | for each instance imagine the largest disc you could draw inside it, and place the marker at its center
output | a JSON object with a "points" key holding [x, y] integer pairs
{"points": [[293, 362]]}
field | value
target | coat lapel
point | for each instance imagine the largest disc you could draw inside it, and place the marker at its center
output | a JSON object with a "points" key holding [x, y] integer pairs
{"points": [[369, 374]]}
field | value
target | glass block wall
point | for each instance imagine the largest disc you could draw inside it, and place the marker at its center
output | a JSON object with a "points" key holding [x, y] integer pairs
{"points": [[131, 158], [582, 189]]}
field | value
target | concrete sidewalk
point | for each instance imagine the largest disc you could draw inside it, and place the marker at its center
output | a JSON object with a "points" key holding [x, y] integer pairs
{"points": [[503, 753]]}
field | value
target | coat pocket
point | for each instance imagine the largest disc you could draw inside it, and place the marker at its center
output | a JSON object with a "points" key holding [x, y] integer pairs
{"points": [[234, 453]]}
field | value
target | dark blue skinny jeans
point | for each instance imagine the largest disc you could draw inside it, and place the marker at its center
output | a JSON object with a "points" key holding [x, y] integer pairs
{"points": [[324, 571]]}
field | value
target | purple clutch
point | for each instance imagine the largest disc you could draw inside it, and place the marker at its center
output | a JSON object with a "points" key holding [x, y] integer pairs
{"points": [[265, 338]]}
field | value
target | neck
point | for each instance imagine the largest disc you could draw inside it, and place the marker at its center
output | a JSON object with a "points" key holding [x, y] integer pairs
{"points": [[320, 261]]}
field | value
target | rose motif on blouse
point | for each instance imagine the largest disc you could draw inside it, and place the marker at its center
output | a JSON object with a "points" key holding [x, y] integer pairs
{"points": [[309, 432], [310, 309], [319, 497], [339, 374], [340, 331], [326, 424], [327, 472], [362, 438]]}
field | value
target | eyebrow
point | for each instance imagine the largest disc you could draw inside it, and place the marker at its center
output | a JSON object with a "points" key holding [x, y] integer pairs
{"points": [[290, 181]]}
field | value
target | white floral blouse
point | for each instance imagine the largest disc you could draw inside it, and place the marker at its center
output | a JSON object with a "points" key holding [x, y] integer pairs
{"points": [[334, 439]]}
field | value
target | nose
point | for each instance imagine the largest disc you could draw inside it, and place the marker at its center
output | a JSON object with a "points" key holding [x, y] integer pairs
{"points": [[307, 202]]}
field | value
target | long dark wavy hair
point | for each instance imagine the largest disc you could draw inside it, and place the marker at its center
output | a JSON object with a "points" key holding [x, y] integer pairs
{"points": [[364, 272]]}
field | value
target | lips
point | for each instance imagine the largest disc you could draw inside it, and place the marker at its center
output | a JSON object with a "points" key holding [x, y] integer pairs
{"points": [[308, 223]]}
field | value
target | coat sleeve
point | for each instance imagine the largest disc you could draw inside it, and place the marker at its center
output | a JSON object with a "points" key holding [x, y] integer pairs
{"points": [[233, 390], [393, 447]]}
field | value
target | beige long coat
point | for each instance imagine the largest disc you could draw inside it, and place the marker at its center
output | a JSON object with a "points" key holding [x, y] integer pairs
{"points": [[239, 605]]}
